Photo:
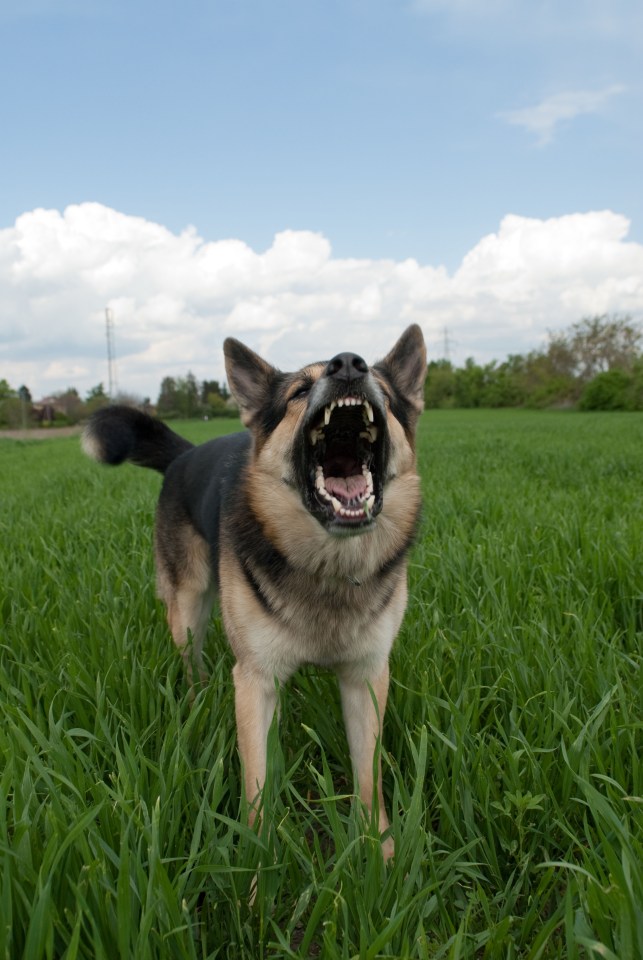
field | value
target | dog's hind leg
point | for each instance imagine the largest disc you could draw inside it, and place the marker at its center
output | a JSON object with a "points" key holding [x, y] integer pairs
{"points": [[185, 584], [188, 613], [363, 705]]}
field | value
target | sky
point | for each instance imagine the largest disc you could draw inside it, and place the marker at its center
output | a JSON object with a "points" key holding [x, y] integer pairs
{"points": [[311, 176]]}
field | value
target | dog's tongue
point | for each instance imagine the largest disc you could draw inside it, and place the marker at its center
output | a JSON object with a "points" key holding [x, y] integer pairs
{"points": [[347, 488]]}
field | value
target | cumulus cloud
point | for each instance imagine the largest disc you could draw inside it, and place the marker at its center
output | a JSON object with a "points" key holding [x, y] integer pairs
{"points": [[175, 297], [543, 118]]}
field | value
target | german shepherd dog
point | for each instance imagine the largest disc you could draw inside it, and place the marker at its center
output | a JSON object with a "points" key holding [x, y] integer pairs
{"points": [[302, 524]]}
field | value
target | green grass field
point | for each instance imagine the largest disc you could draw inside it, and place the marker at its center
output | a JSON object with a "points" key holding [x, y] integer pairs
{"points": [[513, 738]]}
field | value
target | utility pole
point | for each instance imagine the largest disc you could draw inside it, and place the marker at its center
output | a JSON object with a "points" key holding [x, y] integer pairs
{"points": [[111, 354]]}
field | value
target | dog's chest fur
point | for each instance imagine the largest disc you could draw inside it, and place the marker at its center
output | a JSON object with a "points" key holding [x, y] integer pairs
{"points": [[312, 597]]}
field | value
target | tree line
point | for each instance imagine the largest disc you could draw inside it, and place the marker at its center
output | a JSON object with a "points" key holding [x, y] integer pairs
{"points": [[181, 397], [187, 398], [597, 364]]}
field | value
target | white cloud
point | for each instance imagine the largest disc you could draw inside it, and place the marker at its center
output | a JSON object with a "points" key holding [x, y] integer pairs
{"points": [[175, 297], [543, 118]]}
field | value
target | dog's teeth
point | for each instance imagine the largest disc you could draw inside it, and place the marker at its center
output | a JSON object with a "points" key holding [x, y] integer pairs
{"points": [[328, 411], [368, 476], [369, 411], [320, 483], [337, 507], [340, 403], [370, 503]]}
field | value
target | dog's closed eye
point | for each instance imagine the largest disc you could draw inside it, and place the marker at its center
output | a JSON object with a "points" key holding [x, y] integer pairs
{"points": [[301, 392]]}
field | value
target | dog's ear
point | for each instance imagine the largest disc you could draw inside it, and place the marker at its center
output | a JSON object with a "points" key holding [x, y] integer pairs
{"points": [[405, 366], [250, 378]]}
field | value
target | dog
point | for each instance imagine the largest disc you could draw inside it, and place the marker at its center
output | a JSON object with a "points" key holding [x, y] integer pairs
{"points": [[301, 524]]}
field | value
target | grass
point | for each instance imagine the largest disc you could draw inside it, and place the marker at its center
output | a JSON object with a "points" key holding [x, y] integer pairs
{"points": [[513, 737]]}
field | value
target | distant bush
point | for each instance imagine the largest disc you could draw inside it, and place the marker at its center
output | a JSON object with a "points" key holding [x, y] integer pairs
{"points": [[606, 391], [11, 412], [556, 392], [635, 390]]}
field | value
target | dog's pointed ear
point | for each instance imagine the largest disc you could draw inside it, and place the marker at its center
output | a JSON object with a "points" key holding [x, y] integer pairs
{"points": [[250, 378], [405, 366]]}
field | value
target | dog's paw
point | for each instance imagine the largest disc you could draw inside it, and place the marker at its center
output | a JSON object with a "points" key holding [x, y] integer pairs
{"points": [[388, 849]]}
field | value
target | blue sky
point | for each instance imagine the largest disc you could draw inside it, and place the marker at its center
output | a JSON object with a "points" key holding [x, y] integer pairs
{"points": [[391, 132]]}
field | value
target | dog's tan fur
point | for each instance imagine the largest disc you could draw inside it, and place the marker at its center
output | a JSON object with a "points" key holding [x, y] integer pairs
{"points": [[292, 591]]}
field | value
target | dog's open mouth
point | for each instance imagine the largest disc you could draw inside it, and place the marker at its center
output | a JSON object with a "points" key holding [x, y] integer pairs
{"points": [[345, 462]]}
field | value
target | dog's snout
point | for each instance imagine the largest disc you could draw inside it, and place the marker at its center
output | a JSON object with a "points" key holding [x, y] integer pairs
{"points": [[346, 366]]}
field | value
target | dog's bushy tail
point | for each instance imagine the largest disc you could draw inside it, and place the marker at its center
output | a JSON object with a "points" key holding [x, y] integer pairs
{"points": [[117, 433]]}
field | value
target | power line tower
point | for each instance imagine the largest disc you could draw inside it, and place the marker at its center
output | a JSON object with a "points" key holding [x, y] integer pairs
{"points": [[447, 342], [111, 353]]}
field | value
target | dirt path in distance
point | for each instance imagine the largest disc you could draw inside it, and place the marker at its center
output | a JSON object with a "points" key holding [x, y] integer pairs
{"points": [[40, 433]]}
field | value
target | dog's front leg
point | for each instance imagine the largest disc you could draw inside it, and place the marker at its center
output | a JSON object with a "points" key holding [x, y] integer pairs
{"points": [[255, 698], [363, 705]]}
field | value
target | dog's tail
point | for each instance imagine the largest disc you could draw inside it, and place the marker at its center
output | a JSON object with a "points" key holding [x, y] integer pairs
{"points": [[117, 433]]}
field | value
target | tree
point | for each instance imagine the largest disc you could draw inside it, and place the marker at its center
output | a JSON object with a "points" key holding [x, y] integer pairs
{"points": [[5, 390], [208, 387], [560, 360], [13, 409], [96, 398], [179, 397], [215, 406], [70, 404], [167, 404], [604, 343], [96, 393], [187, 391], [469, 384], [503, 386], [439, 387], [548, 378]]}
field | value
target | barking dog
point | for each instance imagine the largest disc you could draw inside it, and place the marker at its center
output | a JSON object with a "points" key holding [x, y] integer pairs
{"points": [[302, 524]]}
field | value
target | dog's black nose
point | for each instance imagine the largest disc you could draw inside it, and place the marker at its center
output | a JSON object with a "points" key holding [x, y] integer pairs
{"points": [[346, 366]]}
